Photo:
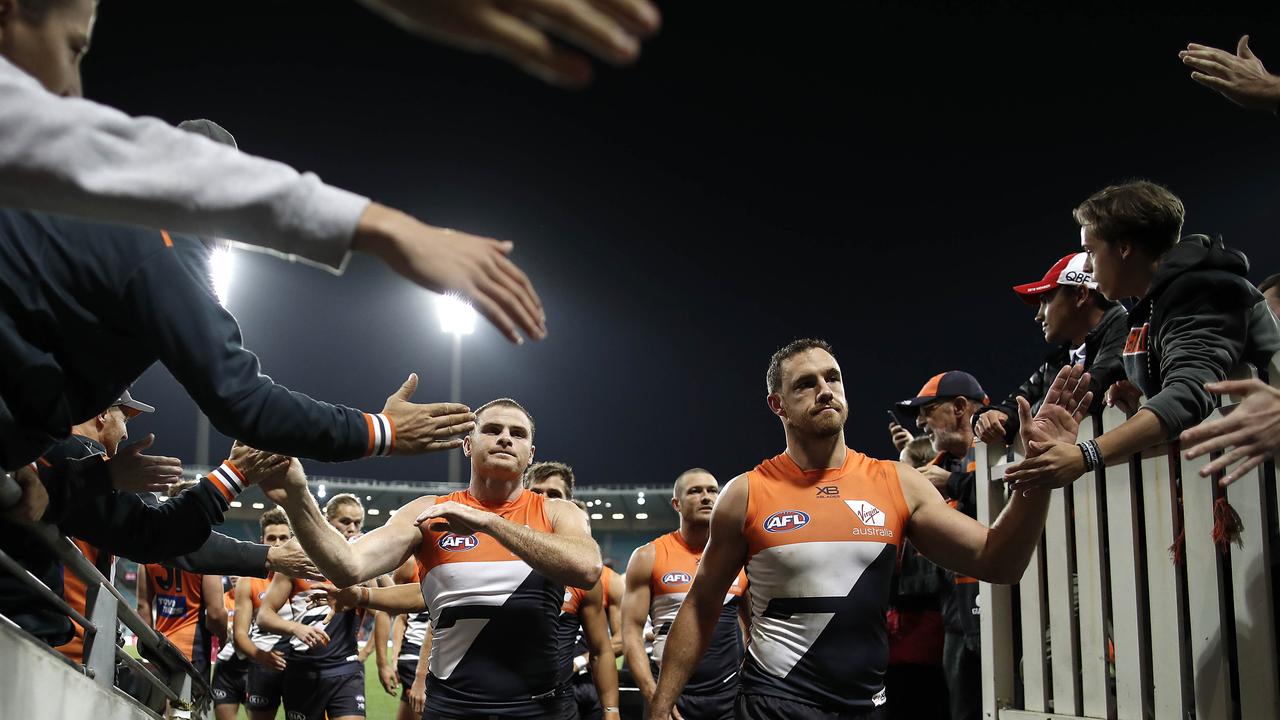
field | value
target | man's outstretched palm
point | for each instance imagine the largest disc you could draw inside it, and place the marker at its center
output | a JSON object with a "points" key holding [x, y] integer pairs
{"points": [[1058, 419]]}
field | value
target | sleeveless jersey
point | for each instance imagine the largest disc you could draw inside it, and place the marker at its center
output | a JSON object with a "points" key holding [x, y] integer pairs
{"points": [[569, 635], [493, 619], [674, 567], [821, 550], [228, 649], [179, 611], [341, 656], [76, 595], [415, 628], [263, 640]]}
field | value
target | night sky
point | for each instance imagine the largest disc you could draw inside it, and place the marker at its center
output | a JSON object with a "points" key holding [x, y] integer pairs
{"points": [[877, 174]]}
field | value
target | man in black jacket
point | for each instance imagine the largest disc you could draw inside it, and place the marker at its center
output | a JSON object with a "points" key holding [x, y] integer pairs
{"points": [[85, 470], [1083, 326], [945, 407], [1197, 318]]}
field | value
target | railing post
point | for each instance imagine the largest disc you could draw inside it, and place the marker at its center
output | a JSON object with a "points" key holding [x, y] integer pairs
{"points": [[994, 601], [1091, 603], [100, 640]]}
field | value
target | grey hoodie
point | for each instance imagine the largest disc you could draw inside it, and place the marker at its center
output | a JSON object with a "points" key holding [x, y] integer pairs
{"points": [[1199, 320]]}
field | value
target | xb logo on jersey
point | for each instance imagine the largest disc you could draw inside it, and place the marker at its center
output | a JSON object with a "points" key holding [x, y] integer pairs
{"points": [[786, 521], [676, 578], [458, 543], [869, 514]]}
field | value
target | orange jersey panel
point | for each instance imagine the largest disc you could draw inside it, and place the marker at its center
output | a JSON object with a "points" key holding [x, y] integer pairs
{"points": [[177, 604], [821, 549], [74, 592]]}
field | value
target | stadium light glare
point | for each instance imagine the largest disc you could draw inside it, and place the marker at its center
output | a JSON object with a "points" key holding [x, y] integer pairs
{"points": [[456, 316], [375, 511], [642, 516], [221, 267], [236, 503], [618, 516], [597, 516], [640, 500], [320, 491], [258, 506]]}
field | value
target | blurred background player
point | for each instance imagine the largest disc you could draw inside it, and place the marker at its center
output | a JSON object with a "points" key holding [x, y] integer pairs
{"points": [[658, 577], [263, 673]]}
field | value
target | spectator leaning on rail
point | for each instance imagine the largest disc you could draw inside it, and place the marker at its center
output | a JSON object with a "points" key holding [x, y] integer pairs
{"points": [[1196, 319], [88, 307], [1083, 326], [945, 407], [85, 471]]}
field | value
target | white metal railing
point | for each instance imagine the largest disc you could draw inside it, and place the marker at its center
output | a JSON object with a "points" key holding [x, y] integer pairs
{"points": [[1104, 624], [169, 673]]}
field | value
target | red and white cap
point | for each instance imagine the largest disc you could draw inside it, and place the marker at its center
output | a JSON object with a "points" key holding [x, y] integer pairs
{"points": [[1067, 271]]}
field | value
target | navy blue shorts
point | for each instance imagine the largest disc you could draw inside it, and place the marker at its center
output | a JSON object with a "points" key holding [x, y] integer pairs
{"points": [[311, 697]]}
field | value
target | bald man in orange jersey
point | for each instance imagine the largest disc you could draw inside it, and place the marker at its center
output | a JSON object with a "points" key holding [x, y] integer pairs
{"points": [[818, 529]]}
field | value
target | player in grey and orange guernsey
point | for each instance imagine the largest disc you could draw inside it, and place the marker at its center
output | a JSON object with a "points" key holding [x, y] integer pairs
{"points": [[323, 675], [658, 578], [818, 529], [495, 559]]}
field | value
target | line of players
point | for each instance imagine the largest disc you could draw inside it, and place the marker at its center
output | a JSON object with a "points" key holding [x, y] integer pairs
{"points": [[278, 646], [500, 582]]}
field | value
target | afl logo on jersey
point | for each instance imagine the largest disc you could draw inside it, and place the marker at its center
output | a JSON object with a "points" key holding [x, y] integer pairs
{"points": [[676, 578], [786, 521], [458, 543]]}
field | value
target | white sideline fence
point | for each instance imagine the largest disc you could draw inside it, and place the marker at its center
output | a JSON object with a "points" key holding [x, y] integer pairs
{"points": [[1105, 625]]}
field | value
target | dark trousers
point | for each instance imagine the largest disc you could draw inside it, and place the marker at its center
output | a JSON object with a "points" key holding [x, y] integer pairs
{"points": [[916, 692], [962, 664]]}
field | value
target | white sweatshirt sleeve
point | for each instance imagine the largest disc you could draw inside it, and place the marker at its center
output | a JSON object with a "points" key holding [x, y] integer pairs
{"points": [[73, 156]]}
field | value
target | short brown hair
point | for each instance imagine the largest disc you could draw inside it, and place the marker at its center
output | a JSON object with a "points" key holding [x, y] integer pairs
{"points": [[675, 487], [773, 376], [1269, 283], [331, 507], [274, 516], [540, 471], [1142, 212], [505, 402]]}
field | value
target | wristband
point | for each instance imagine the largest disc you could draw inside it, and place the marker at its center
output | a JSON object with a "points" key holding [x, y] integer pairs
{"points": [[611, 710], [382, 435], [362, 596], [228, 479], [1092, 455]]}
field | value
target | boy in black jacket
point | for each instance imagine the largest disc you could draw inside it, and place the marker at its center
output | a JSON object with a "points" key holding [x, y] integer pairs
{"points": [[1197, 317]]}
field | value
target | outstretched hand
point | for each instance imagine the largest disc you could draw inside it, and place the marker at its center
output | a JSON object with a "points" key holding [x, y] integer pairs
{"points": [[1240, 78], [1053, 460], [131, 471], [1251, 431], [424, 428]]}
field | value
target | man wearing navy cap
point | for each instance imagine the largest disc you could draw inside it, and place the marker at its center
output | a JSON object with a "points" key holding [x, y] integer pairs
{"points": [[1084, 327], [944, 408]]}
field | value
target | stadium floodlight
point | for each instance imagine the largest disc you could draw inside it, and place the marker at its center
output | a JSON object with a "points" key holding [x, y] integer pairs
{"points": [[375, 511], [456, 316], [618, 516], [640, 500], [236, 503], [642, 516], [597, 516], [221, 267], [258, 506], [320, 491]]}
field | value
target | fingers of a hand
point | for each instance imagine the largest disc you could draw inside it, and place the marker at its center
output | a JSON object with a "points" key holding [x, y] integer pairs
{"points": [[1214, 435], [1242, 48], [458, 418], [496, 316], [640, 17], [1235, 387], [407, 388], [1220, 61], [584, 25], [498, 291], [519, 284], [1226, 460], [451, 431], [1238, 472], [1024, 411], [528, 47], [1083, 408]]}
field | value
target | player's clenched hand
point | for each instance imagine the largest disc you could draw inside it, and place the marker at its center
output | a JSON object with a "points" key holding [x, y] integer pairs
{"points": [[990, 426], [390, 680], [131, 471], [279, 486], [312, 637], [425, 428], [461, 519], [340, 600], [290, 559], [257, 466]]}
